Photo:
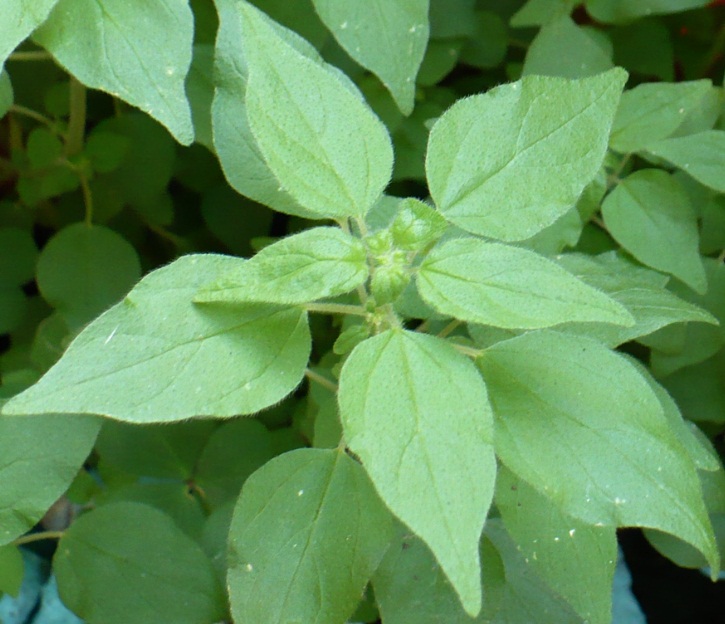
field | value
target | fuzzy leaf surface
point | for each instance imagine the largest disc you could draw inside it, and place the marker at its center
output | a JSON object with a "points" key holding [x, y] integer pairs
{"points": [[106, 45], [509, 287], [324, 145], [157, 357], [653, 111], [582, 426], [650, 215], [416, 413], [403, 27], [508, 163], [307, 534], [317, 263]]}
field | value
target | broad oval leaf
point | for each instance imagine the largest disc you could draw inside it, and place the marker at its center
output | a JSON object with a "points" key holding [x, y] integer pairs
{"points": [[128, 562], [135, 50], [416, 412], [403, 27], [509, 287], [39, 458], [157, 357], [582, 426], [509, 162], [563, 48], [307, 534], [699, 155], [239, 156], [20, 18], [653, 111], [84, 270], [624, 11], [650, 215], [575, 559], [316, 263], [324, 145], [641, 291]]}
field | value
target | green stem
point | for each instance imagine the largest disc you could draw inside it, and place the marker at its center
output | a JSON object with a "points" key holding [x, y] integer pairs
{"points": [[77, 119], [31, 114], [37, 55], [469, 351], [336, 308], [87, 198], [449, 328], [613, 178], [323, 381], [36, 537]]}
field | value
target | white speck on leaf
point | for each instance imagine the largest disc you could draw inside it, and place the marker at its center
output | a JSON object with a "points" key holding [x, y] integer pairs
{"points": [[111, 335], [571, 532], [300, 492], [249, 567]]}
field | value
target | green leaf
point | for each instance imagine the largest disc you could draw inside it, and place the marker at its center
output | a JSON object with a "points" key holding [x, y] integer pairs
{"points": [[527, 598], [18, 254], [11, 570], [540, 12], [243, 164], [232, 453], [307, 533], [644, 47], [127, 562], [619, 11], [650, 215], [200, 90], [85, 269], [158, 451], [562, 48], [388, 37], [509, 162], [641, 291], [39, 457], [320, 262], [106, 150], [411, 588], [20, 18], [432, 466], [575, 559], [699, 155], [323, 144], [488, 44], [156, 357], [699, 390], [105, 45], [172, 497], [653, 111], [148, 160], [702, 454], [581, 425], [416, 225], [6, 93], [695, 342], [509, 287]]}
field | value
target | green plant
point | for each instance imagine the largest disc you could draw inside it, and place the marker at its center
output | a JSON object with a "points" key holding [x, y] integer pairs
{"points": [[483, 410]]}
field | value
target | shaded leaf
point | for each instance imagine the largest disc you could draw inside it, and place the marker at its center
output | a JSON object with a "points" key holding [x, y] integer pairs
{"points": [[307, 533]]}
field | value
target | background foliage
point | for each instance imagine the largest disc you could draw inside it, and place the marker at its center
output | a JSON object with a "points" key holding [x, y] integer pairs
{"points": [[574, 389]]}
